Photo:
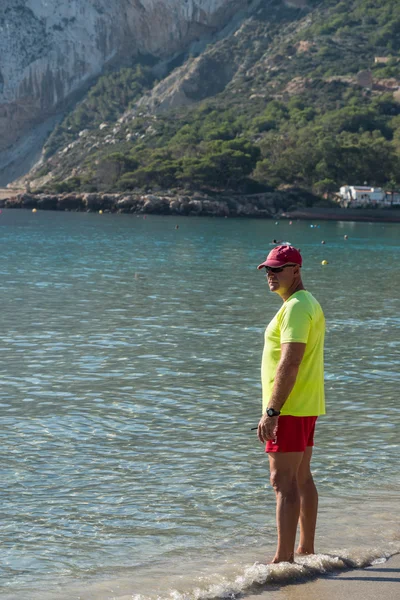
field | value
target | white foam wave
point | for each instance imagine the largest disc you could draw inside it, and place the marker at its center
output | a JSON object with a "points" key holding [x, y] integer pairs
{"points": [[257, 577]]}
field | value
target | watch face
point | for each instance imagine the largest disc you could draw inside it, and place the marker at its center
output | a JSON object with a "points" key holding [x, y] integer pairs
{"points": [[271, 412]]}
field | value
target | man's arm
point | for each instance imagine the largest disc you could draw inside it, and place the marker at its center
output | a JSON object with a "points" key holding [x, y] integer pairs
{"points": [[291, 356]]}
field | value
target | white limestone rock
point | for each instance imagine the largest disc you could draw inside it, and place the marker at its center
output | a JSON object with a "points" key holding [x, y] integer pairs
{"points": [[49, 49]]}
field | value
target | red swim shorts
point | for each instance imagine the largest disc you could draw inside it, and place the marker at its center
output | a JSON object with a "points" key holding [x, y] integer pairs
{"points": [[294, 434]]}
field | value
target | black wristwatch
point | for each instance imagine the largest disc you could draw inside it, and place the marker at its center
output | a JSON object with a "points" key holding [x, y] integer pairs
{"points": [[271, 412]]}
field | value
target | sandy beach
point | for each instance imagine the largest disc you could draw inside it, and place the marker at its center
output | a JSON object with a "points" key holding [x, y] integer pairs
{"points": [[373, 583], [6, 193], [378, 582]]}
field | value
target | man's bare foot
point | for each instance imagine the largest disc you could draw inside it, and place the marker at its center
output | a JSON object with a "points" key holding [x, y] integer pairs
{"points": [[278, 559], [301, 550]]}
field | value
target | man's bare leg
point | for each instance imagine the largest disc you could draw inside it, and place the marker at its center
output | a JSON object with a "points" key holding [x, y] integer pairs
{"points": [[284, 468], [308, 505]]}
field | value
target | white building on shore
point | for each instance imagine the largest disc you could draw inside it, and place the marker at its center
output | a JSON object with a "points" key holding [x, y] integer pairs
{"points": [[352, 196]]}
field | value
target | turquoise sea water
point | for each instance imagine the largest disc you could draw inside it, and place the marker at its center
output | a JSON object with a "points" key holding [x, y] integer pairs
{"points": [[130, 358]]}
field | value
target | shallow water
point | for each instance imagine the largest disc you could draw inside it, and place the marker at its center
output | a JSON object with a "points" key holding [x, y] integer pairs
{"points": [[130, 357]]}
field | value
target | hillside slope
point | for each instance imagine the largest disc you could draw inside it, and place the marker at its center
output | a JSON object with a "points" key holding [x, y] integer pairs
{"points": [[51, 51], [302, 94]]}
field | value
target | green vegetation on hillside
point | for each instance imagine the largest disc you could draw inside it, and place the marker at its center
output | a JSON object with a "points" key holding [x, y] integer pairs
{"points": [[293, 114], [105, 101]]}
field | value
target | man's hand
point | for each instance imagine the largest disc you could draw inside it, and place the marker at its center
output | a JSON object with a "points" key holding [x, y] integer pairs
{"points": [[267, 428]]}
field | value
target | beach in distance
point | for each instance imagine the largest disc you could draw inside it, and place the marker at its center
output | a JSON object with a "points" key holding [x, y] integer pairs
{"points": [[130, 384]]}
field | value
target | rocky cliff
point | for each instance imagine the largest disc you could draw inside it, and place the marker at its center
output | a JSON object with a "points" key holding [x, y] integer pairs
{"points": [[51, 50]]}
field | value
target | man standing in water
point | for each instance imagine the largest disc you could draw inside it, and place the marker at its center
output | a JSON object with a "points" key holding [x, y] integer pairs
{"points": [[292, 374]]}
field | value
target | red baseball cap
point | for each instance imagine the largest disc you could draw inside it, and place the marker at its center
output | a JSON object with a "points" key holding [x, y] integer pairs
{"points": [[282, 255]]}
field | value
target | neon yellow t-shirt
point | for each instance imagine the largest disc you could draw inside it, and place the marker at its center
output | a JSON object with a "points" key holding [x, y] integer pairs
{"points": [[300, 319]]}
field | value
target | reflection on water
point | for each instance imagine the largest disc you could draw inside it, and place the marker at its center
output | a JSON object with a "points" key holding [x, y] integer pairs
{"points": [[130, 357]]}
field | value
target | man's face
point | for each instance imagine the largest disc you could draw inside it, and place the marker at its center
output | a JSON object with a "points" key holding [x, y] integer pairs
{"points": [[281, 279]]}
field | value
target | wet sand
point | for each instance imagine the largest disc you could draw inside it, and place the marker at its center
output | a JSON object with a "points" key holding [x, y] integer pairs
{"points": [[378, 582]]}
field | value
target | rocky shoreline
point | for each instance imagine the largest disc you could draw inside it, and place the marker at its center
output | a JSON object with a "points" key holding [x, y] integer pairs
{"points": [[268, 205], [197, 204]]}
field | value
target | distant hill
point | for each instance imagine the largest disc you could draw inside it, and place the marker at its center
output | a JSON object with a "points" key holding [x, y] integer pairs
{"points": [[51, 52], [301, 93]]}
